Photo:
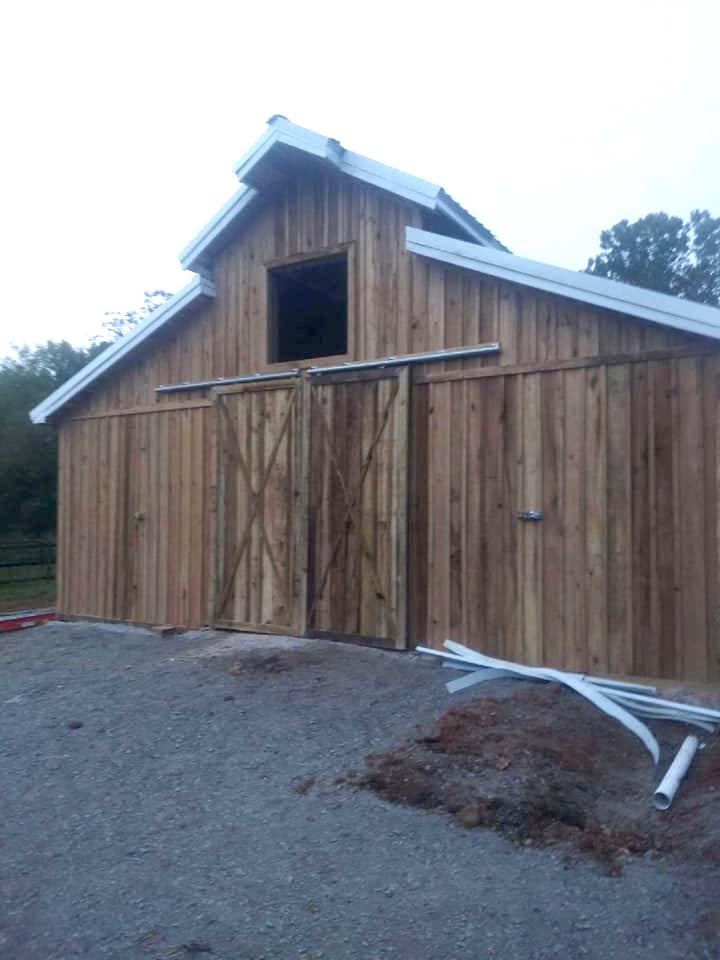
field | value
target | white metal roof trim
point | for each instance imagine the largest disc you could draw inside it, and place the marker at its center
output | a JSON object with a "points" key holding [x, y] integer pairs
{"points": [[659, 308], [282, 131], [191, 257], [198, 288]]}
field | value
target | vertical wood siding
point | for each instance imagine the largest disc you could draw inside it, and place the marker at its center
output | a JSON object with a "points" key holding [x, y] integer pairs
{"points": [[621, 574], [400, 303], [134, 516]]}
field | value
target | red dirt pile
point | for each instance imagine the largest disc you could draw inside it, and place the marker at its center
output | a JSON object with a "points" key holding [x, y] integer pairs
{"points": [[542, 766]]}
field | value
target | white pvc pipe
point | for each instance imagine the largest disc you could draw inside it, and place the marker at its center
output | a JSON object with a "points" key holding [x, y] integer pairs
{"points": [[590, 691], [705, 713], [663, 796], [670, 717], [477, 676], [461, 663], [620, 685]]}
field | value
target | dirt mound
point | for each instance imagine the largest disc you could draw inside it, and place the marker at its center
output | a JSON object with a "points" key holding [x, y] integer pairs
{"points": [[542, 766]]}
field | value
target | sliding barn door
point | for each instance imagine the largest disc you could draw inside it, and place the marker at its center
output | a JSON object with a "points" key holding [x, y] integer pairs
{"points": [[261, 522], [358, 505]]}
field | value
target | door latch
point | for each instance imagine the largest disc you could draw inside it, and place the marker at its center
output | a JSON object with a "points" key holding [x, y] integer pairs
{"points": [[531, 515]]}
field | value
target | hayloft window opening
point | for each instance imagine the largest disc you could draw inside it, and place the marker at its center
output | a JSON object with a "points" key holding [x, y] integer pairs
{"points": [[308, 309]]}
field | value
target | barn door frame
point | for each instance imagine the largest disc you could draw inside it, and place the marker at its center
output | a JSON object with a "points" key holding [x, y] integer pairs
{"points": [[352, 489], [222, 579]]}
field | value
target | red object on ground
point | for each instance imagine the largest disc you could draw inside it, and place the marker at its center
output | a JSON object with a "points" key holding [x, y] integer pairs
{"points": [[25, 618]]}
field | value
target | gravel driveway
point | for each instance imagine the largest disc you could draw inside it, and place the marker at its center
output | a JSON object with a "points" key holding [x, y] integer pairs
{"points": [[169, 825]]}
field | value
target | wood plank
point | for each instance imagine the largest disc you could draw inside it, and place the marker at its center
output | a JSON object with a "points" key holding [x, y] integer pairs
{"points": [[663, 590], [439, 514], [276, 511], [266, 437], [424, 374], [691, 454], [367, 524], [61, 523], [198, 546], [499, 573], [140, 613], [338, 594], [173, 517], [596, 560], [163, 517], [398, 574], [130, 551], [508, 326], [644, 649], [546, 330], [527, 337], [457, 468], [711, 425], [81, 519], [418, 547], [575, 652], [619, 521], [553, 523], [474, 585], [301, 511], [324, 540], [435, 318], [489, 310], [386, 459], [530, 532], [349, 556]]}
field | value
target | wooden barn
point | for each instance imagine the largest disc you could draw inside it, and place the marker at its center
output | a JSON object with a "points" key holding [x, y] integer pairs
{"points": [[365, 418]]}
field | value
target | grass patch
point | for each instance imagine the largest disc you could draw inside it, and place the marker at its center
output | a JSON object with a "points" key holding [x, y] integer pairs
{"points": [[27, 595]]}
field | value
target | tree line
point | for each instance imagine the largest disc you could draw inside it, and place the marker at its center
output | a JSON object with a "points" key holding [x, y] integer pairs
{"points": [[28, 452], [658, 252]]}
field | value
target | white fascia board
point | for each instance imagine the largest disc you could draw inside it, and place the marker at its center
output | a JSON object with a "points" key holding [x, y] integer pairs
{"points": [[659, 308], [191, 257], [281, 131], [199, 288], [256, 152], [390, 179]]}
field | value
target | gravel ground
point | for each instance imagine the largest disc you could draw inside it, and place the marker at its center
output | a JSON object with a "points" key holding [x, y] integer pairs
{"points": [[168, 826]]}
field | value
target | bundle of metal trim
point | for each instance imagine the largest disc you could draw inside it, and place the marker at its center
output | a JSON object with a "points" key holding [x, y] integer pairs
{"points": [[624, 701]]}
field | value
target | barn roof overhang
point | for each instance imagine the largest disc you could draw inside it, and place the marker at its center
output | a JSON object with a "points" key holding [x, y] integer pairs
{"points": [[198, 291], [633, 301], [283, 147]]}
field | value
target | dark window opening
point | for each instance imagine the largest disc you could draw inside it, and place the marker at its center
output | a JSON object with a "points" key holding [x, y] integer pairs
{"points": [[308, 309]]}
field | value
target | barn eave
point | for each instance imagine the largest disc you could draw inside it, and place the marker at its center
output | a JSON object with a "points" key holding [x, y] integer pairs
{"points": [[199, 290], [280, 149], [660, 308], [198, 255]]}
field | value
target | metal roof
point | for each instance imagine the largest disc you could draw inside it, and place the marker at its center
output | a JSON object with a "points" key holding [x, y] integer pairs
{"points": [[659, 308], [284, 139], [198, 290]]}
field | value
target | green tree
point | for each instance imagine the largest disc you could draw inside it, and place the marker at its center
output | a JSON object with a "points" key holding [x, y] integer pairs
{"points": [[28, 461], [28, 452], [117, 323], [664, 253]]}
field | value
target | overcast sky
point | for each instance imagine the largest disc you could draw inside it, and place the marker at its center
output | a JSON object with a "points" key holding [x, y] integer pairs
{"points": [[548, 120]]}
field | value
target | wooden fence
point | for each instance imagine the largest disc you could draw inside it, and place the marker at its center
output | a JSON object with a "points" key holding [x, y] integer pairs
{"points": [[25, 560]]}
